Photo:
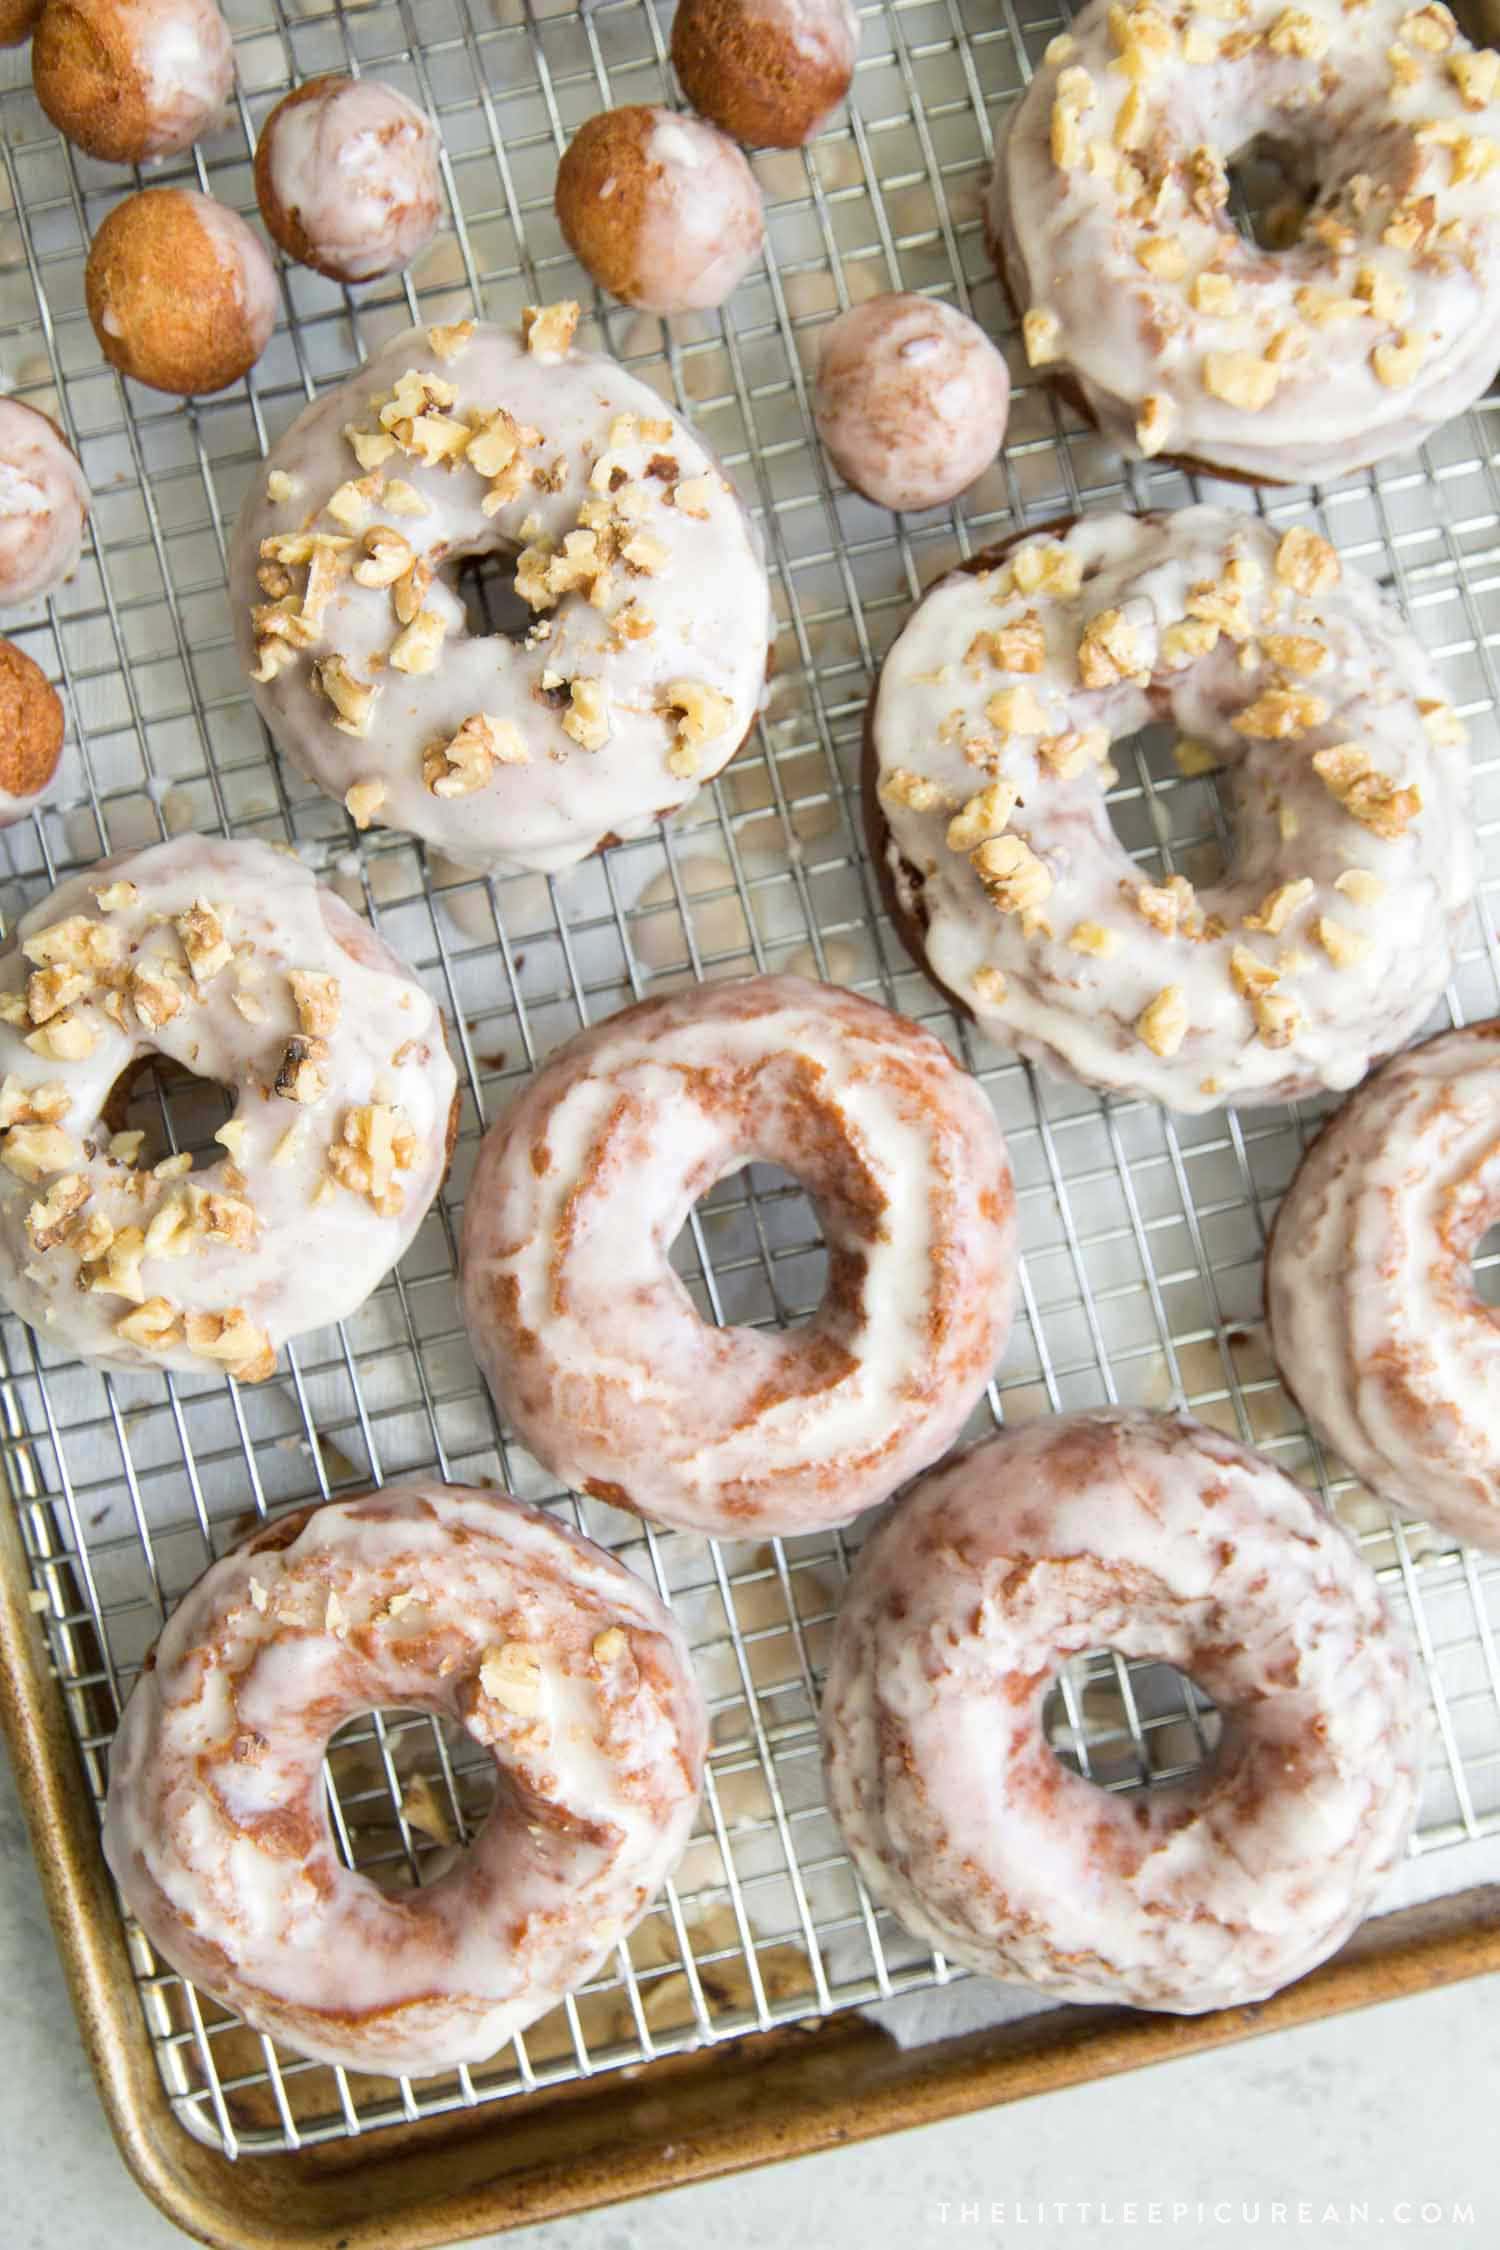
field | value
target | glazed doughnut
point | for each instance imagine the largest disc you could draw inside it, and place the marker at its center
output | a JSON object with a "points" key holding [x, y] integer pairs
{"points": [[1370, 1300], [346, 175], [44, 502], [1331, 932], [129, 80], [911, 400], [181, 294], [662, 210], [591, 1343], [1109, 217], [1160, 1539], [771, 72], [230, 961], [645, 661], [548, 1652], [31, 733]]}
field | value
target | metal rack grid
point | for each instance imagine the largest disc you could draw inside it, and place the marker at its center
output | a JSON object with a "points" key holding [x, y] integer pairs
{"points": [[1142, 1234]]}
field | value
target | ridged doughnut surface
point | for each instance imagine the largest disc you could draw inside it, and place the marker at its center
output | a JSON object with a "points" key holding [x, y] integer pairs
{"points": [[554, 1658], [1161, 1539], [592, 1344], [1374, 1317]]}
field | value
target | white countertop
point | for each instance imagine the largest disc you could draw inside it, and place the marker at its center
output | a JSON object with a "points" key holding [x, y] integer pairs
{"points": [[1385, 2109]]}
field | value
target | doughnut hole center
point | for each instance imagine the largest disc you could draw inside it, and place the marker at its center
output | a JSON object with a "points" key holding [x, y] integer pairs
{"points": [[756, 1256], [1271, 191], [1169, 818], [1129, 1723], [406, 1790], [177, 1112], [1486, 1264], [486, 585]]}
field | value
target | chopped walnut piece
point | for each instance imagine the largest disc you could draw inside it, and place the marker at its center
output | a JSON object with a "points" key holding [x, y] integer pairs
{"points": [[1249, 974], [203, 941], [991, 986], [300, 1076], [236, 1344], [549, 329], [1163, 1023], [1442, 724], [375, 1142], [1093, 938], [349, 505], [316, 997], [1041, 331], [125, 1148], [1342, 945], [249, 1007], [704, 715], [1167, 906], [610, 1645], [49, 991], [1296, 652], [694, 496], [363, 800], [1163, 256], [1108, 650], [114, 897], [1279, 714], [280, 487], [1294, 33], [1381, 293], [1277, 1017], [1015, 711], [511, 1675], [1476, 77], [370, 447], [1019, 647], [450, 337], [1241, 379], [418, 645], [1190, 638], [352, 698], [1067, 135], [385, 556], [32, 1105], [1430, 29], [1399, 363], [1277, 907], [403, 499], [1377, 803], [1306, 561], [495, 447], [1153, 425], [50, 1216], [1214, 293], [460, 766], [76, 942], [914, 790], [66, 1038], [983, 816], [1358, 883], [1047, 567], [118, 1273], [1071, 753], [1010, 871], [153, 1325], [1194, 758], [32, 1151]]}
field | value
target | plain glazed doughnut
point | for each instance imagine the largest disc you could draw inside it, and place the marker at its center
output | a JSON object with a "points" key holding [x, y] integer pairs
{"points": [[230, 961], [181, 294], [911, 400], [44, 503], [347, 178], [1373, 1315], [1160, 1539], [662, 210], [650, 613], [1109, 214], [551, 1655], [591, 1343], [769, 72], [1331, 932], [129, 80]]}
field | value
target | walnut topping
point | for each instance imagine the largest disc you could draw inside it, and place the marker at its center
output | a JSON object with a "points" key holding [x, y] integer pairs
{"points": [[1015, 711], [1163, 256], [280, 487], [1342, 945], [1214, 293], [49, 1217], [115, 896], [903, 787], [317, 1000], [236, 1343], [299, 1075], [1277, 907], [1067, 136], [1194, 758], [1432, 29], [1358, 883], [1010, 871], [1167, 906], [349, 505], [1442, 724], [249, 1007], [693, 496], [416, 416], [1294, 33], [385, 555], [43, 1104], [403, 499], [116, 1272], [990, 986], [66, 1038], [1041, 331], [1154, 424], [1108, 650], [76, 943], [704, 716], [1399, 363], [1241, 379], [1279, 714], [610, 1645], [1381, 293], [1070, 753], [417, 646], [49, 991], [549, 329], [32, 1151], [984, 815], [1306, 561], [1183, 643], [370, 447], [153, 1325], [1249, 974], [1047, 567], [511, 1675], [1019, 647], [1163, 1023], [203, 941], [1476, 76], [450, 338], [363, 800], [352, 698], [458, 767], [1377, 803], [1093, 938], [1296, 652], [375, 1142], [1277, 1017]]}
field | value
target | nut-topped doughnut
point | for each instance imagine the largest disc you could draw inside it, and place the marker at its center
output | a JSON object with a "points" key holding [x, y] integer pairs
{"points": [[1162, 1540], [551, 1655], [1329, 934], [590, 1341], [1109, 213], [1374, 1318], [645, 659], [230, 961]]}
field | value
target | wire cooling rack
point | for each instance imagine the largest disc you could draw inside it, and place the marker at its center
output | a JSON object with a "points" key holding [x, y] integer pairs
{"points": [[1143, 1235]]}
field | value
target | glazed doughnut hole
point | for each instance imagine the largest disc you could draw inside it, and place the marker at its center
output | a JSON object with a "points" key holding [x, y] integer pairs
{"points": [[1129, 1725]]}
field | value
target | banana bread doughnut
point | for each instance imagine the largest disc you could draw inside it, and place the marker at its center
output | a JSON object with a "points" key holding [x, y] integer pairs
{"points": [[31, 733], [1108, 214], [230, 961], [548, 1652], [346, 175], [1160, 1539], [1331, 932], [1370, 1300], [44, 502], [129, 80], [769, 72], [645, 660], [590, 1341]]}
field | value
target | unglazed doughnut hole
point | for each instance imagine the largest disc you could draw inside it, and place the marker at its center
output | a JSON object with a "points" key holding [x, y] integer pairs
{"points": [[127, 80], [181, 294], [662, 209], [767, 71], [346, 173], [18, 21], [31, 733], [911, 400], [44, 501]]}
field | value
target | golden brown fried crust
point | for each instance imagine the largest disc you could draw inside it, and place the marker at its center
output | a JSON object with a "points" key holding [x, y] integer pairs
{"points": [[750, 79], [31, 724], [18, 21], [84, 70], [602, 228], [283, 226], [163, 304]]}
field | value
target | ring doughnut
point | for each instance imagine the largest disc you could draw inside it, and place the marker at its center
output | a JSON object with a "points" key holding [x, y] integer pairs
{"points": [[591, 1343], [1329, 935], [1370, 1300], [1109, 218], [1161, 1539], [230, 961], [649, 609], [550, 1654]]}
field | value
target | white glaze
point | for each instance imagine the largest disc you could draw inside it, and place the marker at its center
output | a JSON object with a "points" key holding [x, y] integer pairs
{"points": [[591, 1343], [356, 166], [43, 502], [708, 603], [1078, 1013], [1163, 1540], [317, 1250], [217, 1827], [1370, 1297], [911, 400], [184, 54], [243, 257], [701, 225], [1068, 238]]}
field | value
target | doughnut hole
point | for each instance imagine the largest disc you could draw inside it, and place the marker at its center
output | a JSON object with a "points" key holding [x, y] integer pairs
{"points": [[1166, 820], [1129, 1724], [407, 1790], [1271, 190], [1486, 1263], [486, 585], [763, 1241], [177, 1112]]}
